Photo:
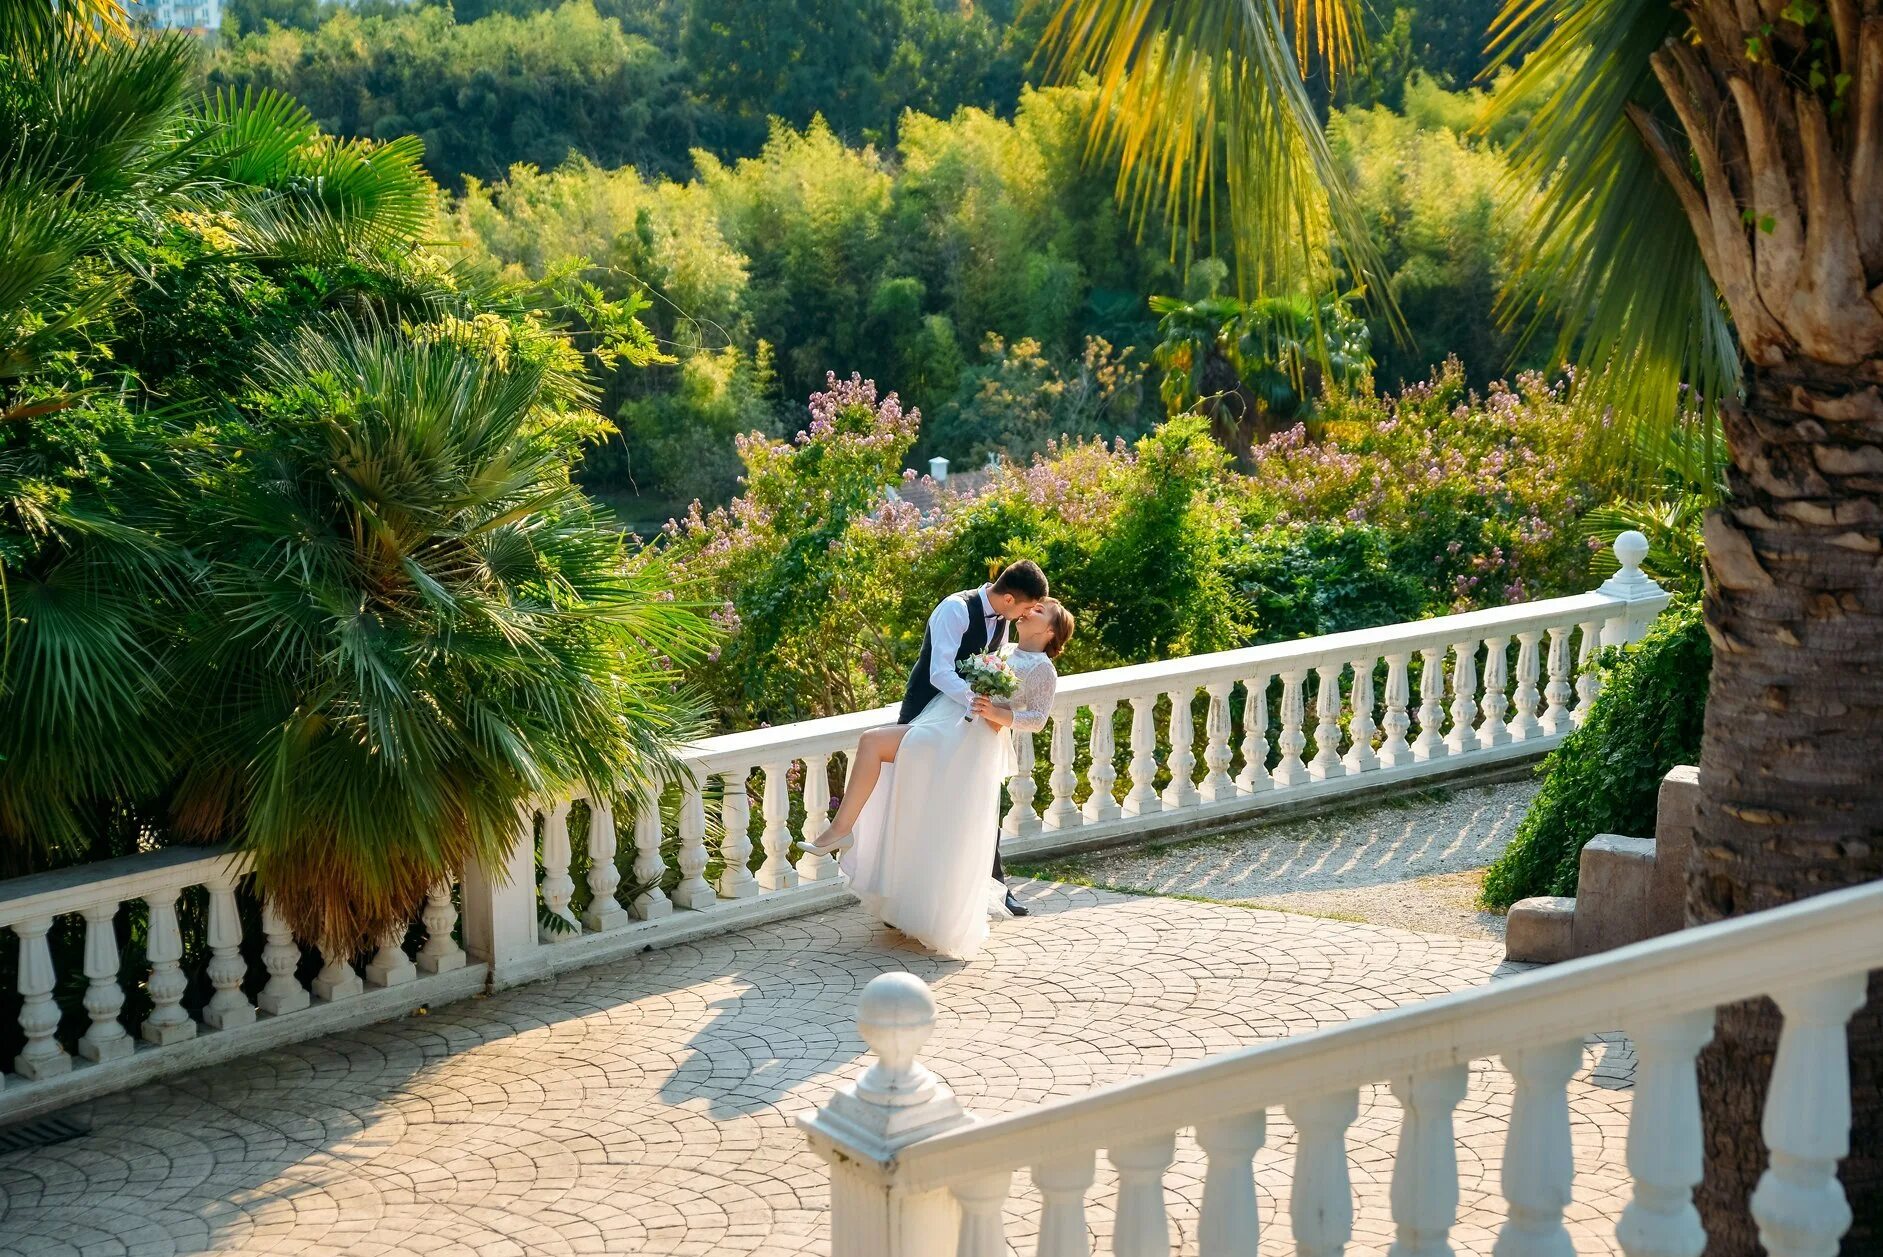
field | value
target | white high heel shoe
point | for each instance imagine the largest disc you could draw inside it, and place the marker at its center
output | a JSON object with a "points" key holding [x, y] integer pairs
{"points": [[827, 845]]}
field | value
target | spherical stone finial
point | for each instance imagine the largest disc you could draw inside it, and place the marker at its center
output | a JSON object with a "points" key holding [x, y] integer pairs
{"points": [[1630, 548], [896, 1016]]}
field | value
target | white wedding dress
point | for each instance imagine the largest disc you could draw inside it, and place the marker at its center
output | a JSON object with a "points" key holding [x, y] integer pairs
{"points": [[925, 840]]}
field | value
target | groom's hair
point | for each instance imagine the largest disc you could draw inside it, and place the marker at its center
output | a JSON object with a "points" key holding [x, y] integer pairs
{"points": [[1023, 579]]}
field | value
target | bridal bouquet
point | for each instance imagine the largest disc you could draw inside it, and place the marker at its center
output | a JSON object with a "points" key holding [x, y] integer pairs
{"points": [[989, 675]]}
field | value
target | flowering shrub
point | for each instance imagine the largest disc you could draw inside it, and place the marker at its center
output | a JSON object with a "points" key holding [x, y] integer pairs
{"points": [[1478, 496]]}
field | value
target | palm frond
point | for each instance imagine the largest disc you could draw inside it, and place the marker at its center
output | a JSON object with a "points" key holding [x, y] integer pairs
{"points": [[1200, 95], [1609, 254], [29, 24]]}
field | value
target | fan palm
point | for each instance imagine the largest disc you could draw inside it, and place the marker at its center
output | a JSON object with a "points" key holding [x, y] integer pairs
{"points": [[1713, 215]]}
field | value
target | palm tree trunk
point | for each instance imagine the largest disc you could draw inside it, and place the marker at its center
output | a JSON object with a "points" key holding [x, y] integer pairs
{"points": [[1793, 754]]}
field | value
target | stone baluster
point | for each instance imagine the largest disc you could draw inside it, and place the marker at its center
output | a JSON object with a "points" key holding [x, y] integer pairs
{"points": [[1327, 761], [1665, 1154], [1462, 736], [1181, 792], [1539, 1164], [694, 892], [604, 911], [1320, 1204], [1101, 804], [1361, 757], [440, 952], [980, 1234], [1493, 729], [1291, 771], [41, 1057], [1525, 724], [735, 844], [1430, 743], [1218, 786], [337, 979], [1022, 817], [1142, 1227], [1588, 680], [813, 867], [163, 946], [1230, 1223], [106, 1038], [1064, 812], [1254, 775], [390, 966], [1394, 749], [281, 956], [228, 1008], [1557, 693], [649, 869], [776, 873], [1142, 799], [1799, 1204], [1425, 1169], [557, 888], [1063, 1185]]}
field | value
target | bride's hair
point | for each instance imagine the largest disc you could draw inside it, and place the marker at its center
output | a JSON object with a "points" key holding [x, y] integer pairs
{"points": [[1062, 622]]}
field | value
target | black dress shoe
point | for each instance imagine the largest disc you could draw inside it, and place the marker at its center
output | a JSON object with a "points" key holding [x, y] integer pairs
{"points": [[1016, 907]]}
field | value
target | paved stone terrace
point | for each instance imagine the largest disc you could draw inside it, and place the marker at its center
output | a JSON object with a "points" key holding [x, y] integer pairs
{"points": [[646, 1106]]}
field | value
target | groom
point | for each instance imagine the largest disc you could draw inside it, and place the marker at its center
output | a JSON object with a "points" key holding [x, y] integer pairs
{"points": [[968, 623]]}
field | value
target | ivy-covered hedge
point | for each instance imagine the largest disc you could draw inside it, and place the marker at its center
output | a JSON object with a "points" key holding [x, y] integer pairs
{"points": [[1605, 776]]}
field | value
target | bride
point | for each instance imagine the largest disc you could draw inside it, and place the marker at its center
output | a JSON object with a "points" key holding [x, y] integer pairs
{"points": [[920, 817]]}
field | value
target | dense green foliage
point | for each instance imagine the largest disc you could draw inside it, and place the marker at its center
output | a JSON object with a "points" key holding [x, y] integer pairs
{"points": [[290, 549], [1606, 775], [1430, 501]]}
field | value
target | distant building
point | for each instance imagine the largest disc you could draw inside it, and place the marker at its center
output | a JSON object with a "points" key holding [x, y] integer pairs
{"points": [[199, 17]]}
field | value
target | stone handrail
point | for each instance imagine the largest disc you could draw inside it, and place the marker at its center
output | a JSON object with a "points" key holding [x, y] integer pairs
{"points": [[1481, 688], [913, 1173]]}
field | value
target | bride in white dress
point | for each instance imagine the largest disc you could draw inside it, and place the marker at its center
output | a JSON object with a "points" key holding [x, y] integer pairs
{"points": [[921, 815]]}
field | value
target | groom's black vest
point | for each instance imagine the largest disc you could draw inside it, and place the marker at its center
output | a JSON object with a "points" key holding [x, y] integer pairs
{"points": [[973, 642]]}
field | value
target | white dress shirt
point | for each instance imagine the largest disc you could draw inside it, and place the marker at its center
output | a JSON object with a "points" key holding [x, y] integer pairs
{"points": [[947, 625]]}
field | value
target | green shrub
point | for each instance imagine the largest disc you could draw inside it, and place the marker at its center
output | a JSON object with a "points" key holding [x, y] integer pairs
{"points": [[1305, 580], [1605, 776]]}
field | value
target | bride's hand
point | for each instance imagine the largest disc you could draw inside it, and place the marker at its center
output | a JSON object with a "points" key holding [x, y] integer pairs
{"points": [[984, 707]]}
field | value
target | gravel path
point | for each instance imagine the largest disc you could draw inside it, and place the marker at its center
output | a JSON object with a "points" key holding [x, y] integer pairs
{"points": [[1413, 863]]}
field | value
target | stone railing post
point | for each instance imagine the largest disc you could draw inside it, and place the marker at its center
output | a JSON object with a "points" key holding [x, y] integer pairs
{"points": [[892, 1104], [1633, 586], [500, 926]]}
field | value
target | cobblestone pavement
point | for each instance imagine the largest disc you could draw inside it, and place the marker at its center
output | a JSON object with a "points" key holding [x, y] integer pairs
{"points": [[646, 1106], [1415, 863]]}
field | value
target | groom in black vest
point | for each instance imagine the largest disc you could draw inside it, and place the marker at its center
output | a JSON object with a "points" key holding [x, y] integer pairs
{"points": [[968, 623]]}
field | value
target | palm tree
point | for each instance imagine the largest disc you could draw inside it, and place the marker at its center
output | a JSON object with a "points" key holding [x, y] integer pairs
{"points": [[1713, 215]]}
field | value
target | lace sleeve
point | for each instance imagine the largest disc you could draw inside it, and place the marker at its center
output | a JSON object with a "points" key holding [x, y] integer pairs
{"points": [[1033, 702]]}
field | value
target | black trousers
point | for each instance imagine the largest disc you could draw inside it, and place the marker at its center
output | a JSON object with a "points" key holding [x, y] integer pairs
{"points": [[1000, 874]]}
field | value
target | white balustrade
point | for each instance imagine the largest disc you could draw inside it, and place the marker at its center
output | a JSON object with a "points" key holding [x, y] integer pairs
{"points": [[440, 952], [1143, 799], [651, 904], [1539, 1163], [1557, 694], [604, 911], [1327, 761], [777, 873], [1022, 817], [1254, 776], [337, 980], [228, 1008], [1431, 743], [694, 892], [1180, 763], [390, 965], [898, 1169], [281, 956], [1494, 729], [1218, 786], [1360, 756], [105, 1039], [1394, 749], [813, 867], [41, 1056], [1588, 680], [1064, 812], [1524, 724], [1101, 805], [1463, 735], [1291, 771], [163, 946], [735, 846], [558, 888]]}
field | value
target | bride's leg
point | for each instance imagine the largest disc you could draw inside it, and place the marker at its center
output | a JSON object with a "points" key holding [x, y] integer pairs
{"points": [[874, 749]]}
